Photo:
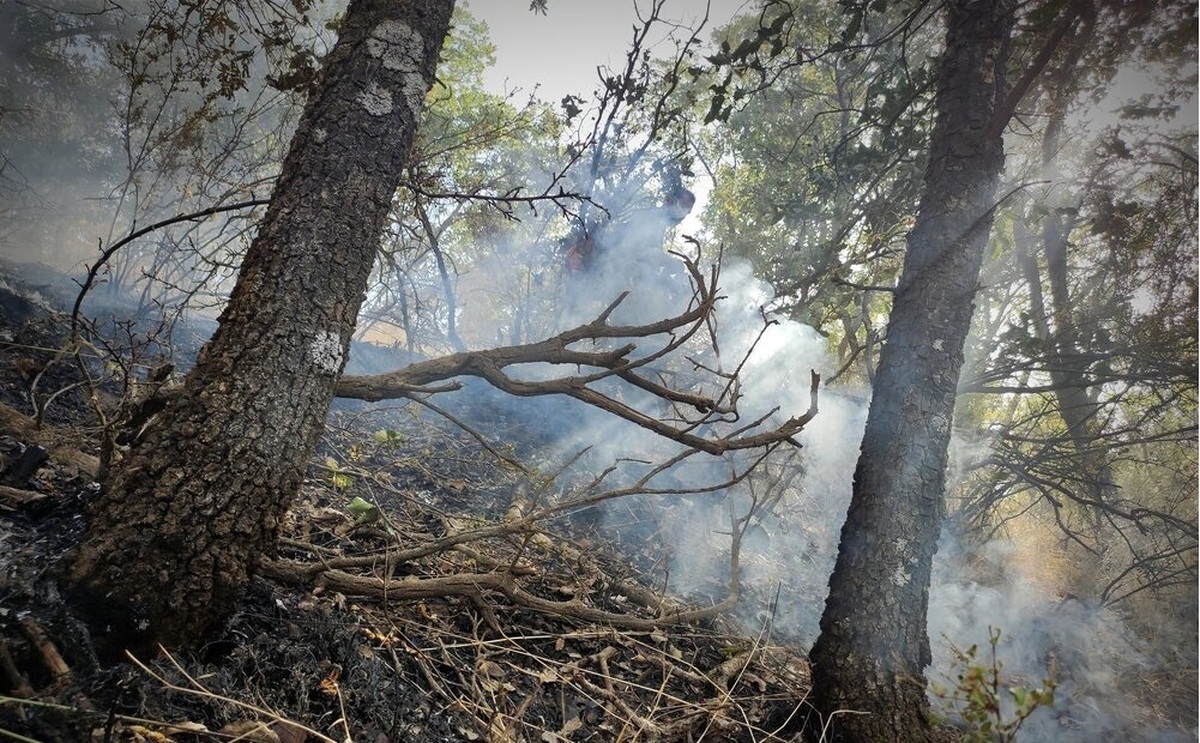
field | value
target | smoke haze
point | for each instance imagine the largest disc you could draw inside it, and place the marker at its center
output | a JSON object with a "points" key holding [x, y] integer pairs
{"points": [[789, 549]]}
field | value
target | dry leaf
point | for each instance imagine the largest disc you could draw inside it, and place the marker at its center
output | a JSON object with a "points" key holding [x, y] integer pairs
{"points": [[426, 612], [329, 684], [570, 726], [490, 668], [142, 733], [290, 733], [251, 731]]}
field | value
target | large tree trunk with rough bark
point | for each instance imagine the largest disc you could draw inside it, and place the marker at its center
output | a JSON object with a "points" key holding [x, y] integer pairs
{"points": [[185, 516], [870, 659]]}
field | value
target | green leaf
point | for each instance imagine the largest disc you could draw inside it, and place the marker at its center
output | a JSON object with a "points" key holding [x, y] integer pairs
{"points": [[363, 511], [1020, 695], [389, 438]]}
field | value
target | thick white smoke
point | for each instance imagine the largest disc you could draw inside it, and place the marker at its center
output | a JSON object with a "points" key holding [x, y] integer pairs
{"points": [[789, 551]]}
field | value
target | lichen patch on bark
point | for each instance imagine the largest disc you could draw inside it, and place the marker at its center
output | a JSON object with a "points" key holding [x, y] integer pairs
{"points": [[376, 100], [399, 47], [326, 352], [391, 42]]}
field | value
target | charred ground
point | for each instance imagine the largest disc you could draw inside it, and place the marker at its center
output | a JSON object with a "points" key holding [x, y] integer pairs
{"points": [[411, 596]]}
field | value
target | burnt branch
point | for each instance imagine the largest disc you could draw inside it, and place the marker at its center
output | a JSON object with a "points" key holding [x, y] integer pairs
{"points": [[605, 361]]}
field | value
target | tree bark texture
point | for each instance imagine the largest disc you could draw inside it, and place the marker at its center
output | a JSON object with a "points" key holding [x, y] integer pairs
{"points": [[869, 661], [186, 514]]}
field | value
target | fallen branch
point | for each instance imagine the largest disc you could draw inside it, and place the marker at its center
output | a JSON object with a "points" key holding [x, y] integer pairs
{"points": [[18, 497], [24, 427], [51, 658], [605, 363], [475, 585]]}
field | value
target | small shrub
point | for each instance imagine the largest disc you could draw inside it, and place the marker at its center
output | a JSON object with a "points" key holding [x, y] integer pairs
{"points": [[979, 696]]}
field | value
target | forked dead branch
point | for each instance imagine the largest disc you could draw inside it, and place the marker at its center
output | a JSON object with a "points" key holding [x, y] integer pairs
{"points": [[606, 362]]}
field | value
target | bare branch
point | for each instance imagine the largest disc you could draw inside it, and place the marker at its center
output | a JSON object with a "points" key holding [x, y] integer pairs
{"points": [[608, 363], [107, 253]]}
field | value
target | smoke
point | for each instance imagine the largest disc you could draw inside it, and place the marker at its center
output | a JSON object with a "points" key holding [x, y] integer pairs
{"points": [[799, 498], [1097, 663], [796, 499]]}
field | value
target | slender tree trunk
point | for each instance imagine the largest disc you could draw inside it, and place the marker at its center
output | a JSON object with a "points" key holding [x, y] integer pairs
{"points": [[1057, 324], [869, 661], [185, 516]]}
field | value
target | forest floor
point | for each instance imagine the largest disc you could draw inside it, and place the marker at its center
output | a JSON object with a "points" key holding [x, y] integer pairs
{"points": [[411, 598]]}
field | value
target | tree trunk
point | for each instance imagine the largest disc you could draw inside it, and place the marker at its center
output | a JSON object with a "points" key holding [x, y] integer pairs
{"points": [[873, 649], [1057, 325], [185, 516]]}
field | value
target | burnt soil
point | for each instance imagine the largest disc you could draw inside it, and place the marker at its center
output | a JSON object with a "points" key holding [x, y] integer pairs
{"points": [[360, 627]]}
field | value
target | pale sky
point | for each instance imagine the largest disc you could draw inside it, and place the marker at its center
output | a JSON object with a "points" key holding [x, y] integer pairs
{"points": [[561, 50], [558, 52]]}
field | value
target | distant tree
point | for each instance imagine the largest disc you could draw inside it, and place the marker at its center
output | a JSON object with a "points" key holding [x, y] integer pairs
{"points": [[1076, 409], [1088, 327], [870, 658], [120, 114], [1078, 402], [51, 96], [466, 196]]}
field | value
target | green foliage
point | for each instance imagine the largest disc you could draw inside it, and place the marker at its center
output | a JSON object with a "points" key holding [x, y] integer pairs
{"points": [[749, 58], [819, 171], [474, 150], [339, 478], [990, 709], [363, 511], [389, 439]]}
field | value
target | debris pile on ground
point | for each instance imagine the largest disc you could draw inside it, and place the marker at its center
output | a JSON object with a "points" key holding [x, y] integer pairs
{"points": [[424, 588]]}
